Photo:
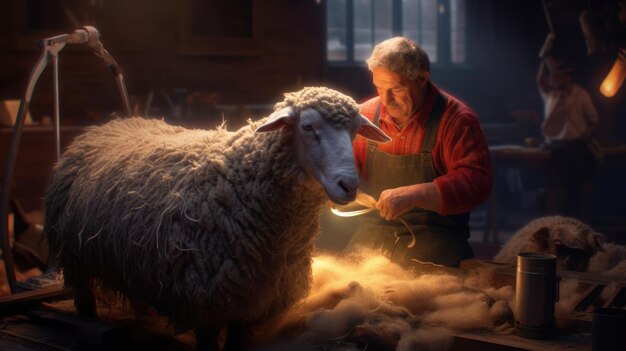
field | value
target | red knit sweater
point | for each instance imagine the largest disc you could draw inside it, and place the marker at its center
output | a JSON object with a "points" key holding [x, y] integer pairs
{"points": [[460, 154]]}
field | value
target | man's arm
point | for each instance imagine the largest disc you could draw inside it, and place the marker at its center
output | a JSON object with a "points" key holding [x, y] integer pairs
{"points": [[464, 153], [543, 82], [465, 162], [590, 115]]}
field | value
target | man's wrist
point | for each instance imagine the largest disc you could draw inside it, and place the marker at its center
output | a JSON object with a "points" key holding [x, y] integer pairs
{"points": [[426, 196]]}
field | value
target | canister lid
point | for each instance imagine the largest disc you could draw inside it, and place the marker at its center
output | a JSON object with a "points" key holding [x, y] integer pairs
{"points": [[536, 262]]}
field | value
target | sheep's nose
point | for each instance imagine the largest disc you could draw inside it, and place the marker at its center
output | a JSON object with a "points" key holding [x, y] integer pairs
{"points": [[349, 186]]}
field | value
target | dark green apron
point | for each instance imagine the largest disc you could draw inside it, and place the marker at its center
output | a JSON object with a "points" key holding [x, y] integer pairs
{"points": [[439, 239]]}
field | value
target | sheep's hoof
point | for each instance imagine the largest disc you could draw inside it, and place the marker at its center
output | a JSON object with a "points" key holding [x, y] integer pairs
{"points": [[140, 308], [206, 338], [85, 304], [236, 336]]}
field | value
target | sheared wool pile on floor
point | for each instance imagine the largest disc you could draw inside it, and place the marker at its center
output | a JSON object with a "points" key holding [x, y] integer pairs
{"points": [[365, 301]]}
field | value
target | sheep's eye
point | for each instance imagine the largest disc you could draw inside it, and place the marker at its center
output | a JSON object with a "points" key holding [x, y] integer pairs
{"points": [[307, 126]]}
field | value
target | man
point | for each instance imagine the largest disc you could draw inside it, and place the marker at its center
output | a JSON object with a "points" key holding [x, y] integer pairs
{"points": [[570, 119], [434, 171]]}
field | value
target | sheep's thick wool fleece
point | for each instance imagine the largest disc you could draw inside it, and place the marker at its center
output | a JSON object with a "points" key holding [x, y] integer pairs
{"points": [[206, 226]]}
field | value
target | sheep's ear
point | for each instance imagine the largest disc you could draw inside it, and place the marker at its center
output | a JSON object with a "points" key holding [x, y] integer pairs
{"points": [[278, 119], [599, 240], [370, 131], [541, 237]]}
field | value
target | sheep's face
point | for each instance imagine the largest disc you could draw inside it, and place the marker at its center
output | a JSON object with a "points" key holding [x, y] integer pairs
{"points": [[324, 149], [325, 153], [572, 245]]}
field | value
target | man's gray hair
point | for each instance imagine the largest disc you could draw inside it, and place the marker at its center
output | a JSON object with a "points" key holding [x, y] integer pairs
{"points": [[400, 55]]}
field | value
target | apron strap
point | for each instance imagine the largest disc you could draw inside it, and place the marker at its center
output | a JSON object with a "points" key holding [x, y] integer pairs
{"points": [[375, 122], [432, 125]]}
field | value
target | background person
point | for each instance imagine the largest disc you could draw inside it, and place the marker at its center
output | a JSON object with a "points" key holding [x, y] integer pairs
{"points": [[570, 119]]}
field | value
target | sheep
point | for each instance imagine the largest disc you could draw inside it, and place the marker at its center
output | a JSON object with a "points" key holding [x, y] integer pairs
{"points": [[211, 228], [573, 242]]}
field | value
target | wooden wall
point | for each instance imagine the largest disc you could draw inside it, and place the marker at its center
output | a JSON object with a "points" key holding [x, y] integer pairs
{"points": [[143, 37], [35, 158]]}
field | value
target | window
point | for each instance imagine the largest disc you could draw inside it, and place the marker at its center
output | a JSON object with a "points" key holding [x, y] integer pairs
{"points": [[353, 27]]}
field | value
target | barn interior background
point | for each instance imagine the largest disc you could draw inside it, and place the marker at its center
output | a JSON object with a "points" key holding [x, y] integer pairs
{"points": [[198, 63], [196, 66]]}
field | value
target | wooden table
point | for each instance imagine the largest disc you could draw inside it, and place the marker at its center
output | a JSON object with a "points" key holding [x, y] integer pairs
{"points": [[592, 291]]}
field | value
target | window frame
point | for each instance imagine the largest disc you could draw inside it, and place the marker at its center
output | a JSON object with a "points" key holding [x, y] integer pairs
{"points": [[444, 42]]}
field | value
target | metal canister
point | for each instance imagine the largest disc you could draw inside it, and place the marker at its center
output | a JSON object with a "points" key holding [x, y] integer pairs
{"points": [[536, 291]]}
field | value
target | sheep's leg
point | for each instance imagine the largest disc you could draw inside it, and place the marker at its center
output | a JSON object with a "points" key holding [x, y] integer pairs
{"points": [[206, 338], [140, 308], [84, 299], [235, 337]]}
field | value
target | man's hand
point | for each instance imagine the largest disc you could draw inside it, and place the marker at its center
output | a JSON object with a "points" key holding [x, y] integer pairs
{"points": [[395, 202]]}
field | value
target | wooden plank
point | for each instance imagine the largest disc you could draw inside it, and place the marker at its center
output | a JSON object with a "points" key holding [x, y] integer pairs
{"points": [[490, 341]]}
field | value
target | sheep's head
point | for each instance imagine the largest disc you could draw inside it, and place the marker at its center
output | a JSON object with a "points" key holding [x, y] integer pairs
{"points": [[572, 242], [325, 122]]}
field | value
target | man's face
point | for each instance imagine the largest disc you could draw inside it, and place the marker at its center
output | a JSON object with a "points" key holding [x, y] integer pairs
{"points": [[401, 96]]}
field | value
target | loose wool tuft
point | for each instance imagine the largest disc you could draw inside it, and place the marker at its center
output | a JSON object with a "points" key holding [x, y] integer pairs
{"points": [[207, 226], [610, 262]]}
